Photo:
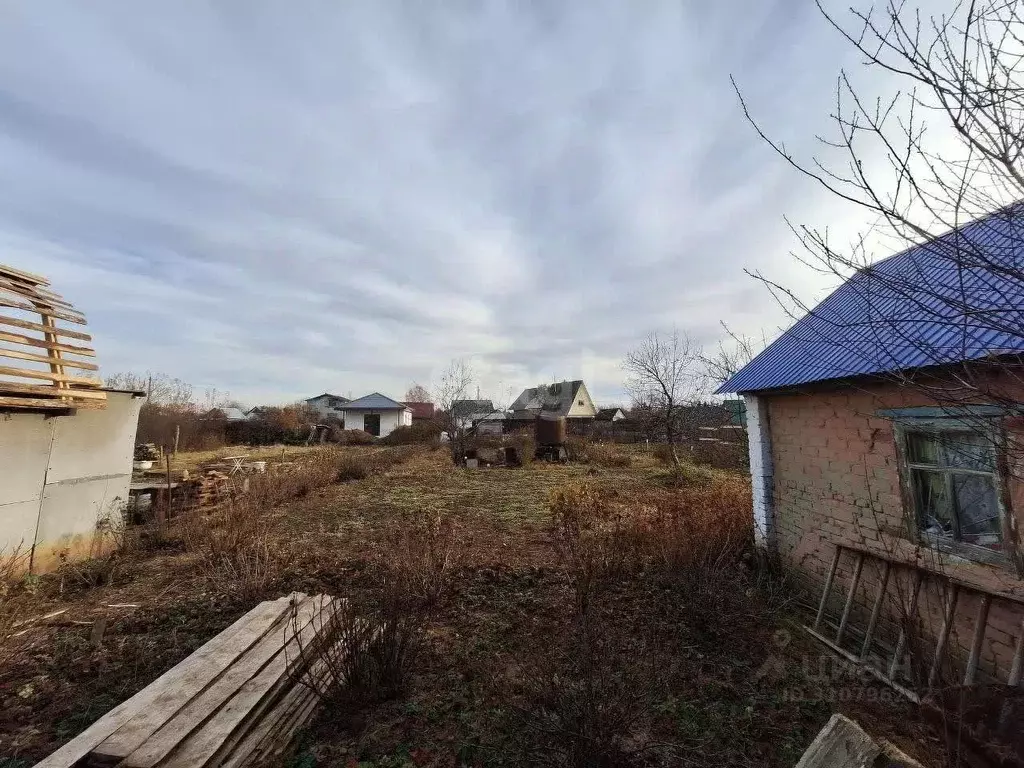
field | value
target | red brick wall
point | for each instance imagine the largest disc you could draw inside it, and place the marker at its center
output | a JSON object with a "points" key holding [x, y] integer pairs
{"points": [[836, 480]]}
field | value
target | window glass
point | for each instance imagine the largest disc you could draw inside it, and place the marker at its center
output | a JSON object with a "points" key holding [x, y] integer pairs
{"points": [[969, 451], [934, 507], [979, 509], [923, 447]]}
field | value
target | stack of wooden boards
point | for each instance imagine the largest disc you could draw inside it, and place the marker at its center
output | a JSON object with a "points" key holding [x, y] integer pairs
{"points": [[214, 487], [237, 701], [32, 323]]}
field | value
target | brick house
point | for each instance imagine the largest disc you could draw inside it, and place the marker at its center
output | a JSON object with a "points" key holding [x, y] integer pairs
{"points": [[885, 437]]}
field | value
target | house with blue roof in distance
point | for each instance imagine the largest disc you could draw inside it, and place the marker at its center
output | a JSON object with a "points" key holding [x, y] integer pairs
{"points": [[885, 430], [376, 414]]}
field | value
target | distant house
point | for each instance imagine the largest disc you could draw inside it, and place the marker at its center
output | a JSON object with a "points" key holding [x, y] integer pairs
{"points": [[610, 414], [327, 405], [492, 423], [375, 413], [420, 411], [464, 412], [232, 414], [564, 398]]}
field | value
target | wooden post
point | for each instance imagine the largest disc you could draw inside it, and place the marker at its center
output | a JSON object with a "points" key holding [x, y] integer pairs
{"points": [[828, 588], [161, 514], [177, 435]]}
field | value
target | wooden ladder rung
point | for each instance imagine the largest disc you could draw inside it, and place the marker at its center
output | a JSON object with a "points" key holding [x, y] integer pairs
{"points": [[979, 636], [850, 597], [901, 639], [827, 588], [948, 616], [869, 633]]}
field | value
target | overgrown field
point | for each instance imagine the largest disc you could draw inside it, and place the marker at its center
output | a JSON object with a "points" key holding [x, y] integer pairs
{"points": [[591, 614]]}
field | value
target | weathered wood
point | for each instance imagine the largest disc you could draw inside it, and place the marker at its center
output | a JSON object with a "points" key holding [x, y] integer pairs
{"points": [[31, 292], [225, 729], [21, 274], [48, 390], [28, 325], [1017, 667], [841, 744], [150, 749], [28, 374], [31, 341], [980, 626], [901, 640], [869, 633], [16, 354], [182, 680], [69, 317], [850, 598], [827, 588], [947, 625]]}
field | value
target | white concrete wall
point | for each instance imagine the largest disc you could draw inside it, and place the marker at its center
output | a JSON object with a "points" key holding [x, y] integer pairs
{"points": [[389, 420], [63, 474], [759, 437], [324, 410]]}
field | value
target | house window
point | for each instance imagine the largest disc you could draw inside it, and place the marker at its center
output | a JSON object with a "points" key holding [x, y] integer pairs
{"points": [[952, 477], [579, 402]]}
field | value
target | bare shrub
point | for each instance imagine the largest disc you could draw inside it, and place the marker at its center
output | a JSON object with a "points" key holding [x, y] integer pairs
{"points": [[524, 444], [234, 545], [350, 468], [420, 433], [421, 557], [576, 448], [13, 564], [684, 475], [352, 437], [663, 453], [606, 456]]}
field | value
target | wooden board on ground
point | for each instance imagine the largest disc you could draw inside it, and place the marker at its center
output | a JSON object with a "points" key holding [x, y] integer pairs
{"points": [[237, 701]]}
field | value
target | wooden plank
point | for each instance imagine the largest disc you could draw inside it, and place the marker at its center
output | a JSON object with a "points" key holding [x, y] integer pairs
{"points": [[850, 597], [196, 670], [260, 738], [150, 749], [58, 370], [1017, 667], [207, 664], [27, 373], [841, 744], [828, 587], [28, 276], [979, 637], [50, 404], [224, 730], [34, 294], [947, 625], [873, 671], [70, 317], [15, 354], [18, 338], [869, 633], [28, 325], [901, 640], [47, 390]]}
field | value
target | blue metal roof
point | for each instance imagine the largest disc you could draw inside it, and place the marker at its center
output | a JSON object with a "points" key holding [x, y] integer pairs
{"points": [[373, 402], [957, 297]]}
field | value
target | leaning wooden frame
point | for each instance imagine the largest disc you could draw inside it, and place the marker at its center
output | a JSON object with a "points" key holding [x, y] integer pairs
{"points": [[46, 385]]}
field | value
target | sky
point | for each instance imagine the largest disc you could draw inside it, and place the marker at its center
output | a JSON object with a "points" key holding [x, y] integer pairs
{"points": [[278, 199]]}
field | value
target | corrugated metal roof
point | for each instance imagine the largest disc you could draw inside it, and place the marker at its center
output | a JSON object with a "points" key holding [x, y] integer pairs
{"points": [[958, 297], [373, 402]]}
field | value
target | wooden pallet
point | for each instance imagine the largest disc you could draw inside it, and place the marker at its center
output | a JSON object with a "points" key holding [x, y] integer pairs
{"points": [[29, 334], [237, 701]]}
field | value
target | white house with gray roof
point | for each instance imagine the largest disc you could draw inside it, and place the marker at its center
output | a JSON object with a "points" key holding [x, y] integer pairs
{"points": [[376, 413]]}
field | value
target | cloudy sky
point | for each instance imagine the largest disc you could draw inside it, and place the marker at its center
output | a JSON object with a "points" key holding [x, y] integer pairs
{"points": [[282, 198]]}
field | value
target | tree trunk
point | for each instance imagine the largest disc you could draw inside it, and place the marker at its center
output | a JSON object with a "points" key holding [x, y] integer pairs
{"points": [[670, 435]]}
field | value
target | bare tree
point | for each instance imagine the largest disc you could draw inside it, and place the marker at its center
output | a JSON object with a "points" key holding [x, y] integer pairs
{"points": [[417, 393], [664, 373], [160, 388], [454, 385], [731, 355]]}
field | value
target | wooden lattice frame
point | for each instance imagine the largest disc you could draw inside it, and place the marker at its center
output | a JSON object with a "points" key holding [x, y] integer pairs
{"points": [[20, 385]]}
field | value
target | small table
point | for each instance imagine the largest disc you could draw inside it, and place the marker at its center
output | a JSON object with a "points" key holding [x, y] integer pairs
{"points": [[236, 464]]}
